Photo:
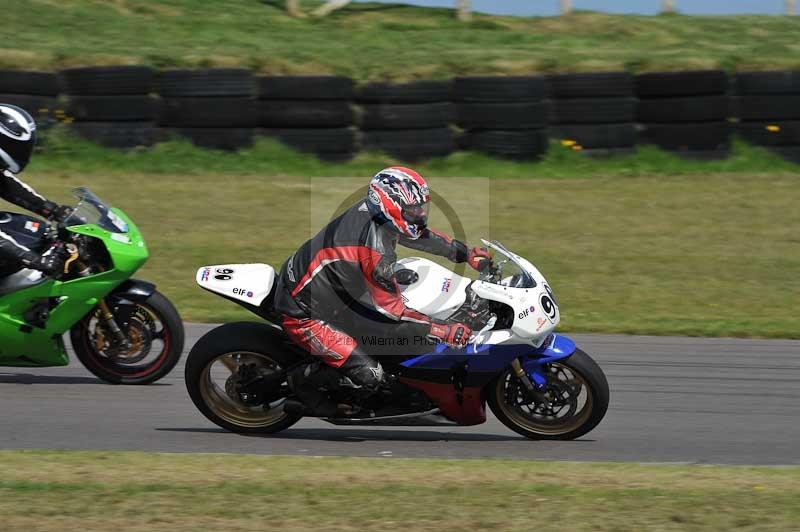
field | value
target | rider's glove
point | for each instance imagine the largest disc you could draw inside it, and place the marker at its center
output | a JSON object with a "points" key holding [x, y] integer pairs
{"points": [[479, 259], [56, 212], [61, 213], [455, 335], [50, 262]]}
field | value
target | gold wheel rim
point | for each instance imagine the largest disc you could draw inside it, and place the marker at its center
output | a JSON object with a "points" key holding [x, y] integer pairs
{"points": [[516, 415], [229, 409]]}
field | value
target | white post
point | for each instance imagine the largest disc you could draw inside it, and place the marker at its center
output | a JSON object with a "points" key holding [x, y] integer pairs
{"points": [[791, 7], [330, 7], [566, 7], [293, 8], [463, 9], [667, 6]]}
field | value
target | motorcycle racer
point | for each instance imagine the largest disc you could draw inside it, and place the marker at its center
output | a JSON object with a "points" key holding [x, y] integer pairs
{"points": [[17, 140], [342, 281]]}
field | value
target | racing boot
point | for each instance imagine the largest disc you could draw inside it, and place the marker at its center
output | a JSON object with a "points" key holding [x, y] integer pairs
{"points": [[310, 384]]}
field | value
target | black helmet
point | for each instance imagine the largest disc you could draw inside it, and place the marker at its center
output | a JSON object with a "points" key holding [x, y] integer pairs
{"points": [[17, 137]]}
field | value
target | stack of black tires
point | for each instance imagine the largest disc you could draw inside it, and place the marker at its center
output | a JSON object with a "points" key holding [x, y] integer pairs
{"points": [[594, 112], [309, 113], [686, 112], [112, 106], [36, 92], [767, 105], [502, 116], [214, 108], [410, 121]]}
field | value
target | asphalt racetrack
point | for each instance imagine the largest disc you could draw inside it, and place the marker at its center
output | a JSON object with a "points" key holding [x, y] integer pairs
{"points": [[672, 400]]}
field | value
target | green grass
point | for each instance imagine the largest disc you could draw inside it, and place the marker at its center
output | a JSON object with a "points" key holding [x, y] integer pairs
{"points": [[654, 245], [64, 153], [98, 491], [373, 41]]}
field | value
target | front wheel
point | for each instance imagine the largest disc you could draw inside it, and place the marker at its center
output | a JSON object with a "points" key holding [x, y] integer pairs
{"points": [[572, 403], [154, 341]]}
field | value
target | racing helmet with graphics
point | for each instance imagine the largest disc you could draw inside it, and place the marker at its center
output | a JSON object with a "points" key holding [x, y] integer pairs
{"points": [[399, 197], [17, 138]]}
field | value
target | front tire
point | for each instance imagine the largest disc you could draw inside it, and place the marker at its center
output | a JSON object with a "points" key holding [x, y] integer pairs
{"points": [[155, 331], [574, 401], [213, 375]]}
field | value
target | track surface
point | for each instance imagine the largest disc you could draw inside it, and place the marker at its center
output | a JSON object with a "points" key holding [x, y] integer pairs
{"points": [[672, 400]]}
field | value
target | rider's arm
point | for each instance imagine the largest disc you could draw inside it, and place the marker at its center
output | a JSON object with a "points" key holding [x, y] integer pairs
{"points": [[12, 251], [436, 243], [378, 269], [388, 301], [13, 190]]}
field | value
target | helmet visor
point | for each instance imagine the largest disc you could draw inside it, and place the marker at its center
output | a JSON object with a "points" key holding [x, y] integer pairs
{"points": [[417, 214]]}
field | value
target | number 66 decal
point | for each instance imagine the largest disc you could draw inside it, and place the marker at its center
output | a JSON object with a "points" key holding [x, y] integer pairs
{"points": [[223, 274]]}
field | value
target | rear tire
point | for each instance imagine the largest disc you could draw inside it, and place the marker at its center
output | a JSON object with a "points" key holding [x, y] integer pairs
{"points": [[260, 344], [586, 372]]}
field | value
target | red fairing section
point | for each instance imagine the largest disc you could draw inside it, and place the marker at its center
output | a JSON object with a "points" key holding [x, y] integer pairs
{"points": [[471, 411]]}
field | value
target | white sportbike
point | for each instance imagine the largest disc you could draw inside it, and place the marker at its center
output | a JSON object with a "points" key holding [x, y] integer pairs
{"points": [[537, 383]]}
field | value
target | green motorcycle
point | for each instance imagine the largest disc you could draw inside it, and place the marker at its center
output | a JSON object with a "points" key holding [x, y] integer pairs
{"points": [[122, 329]]}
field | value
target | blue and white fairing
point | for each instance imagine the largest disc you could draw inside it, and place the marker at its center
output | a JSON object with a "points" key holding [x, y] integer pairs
{"points": [[439, 293], [492, 358]]}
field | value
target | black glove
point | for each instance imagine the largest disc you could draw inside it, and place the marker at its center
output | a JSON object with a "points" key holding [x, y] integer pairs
{"points": [[54, 211], [51, 262], [61, 213]]}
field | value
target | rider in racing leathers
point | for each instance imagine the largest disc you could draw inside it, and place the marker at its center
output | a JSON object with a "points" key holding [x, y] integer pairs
{"points": [[17, 140], [341, 282]]}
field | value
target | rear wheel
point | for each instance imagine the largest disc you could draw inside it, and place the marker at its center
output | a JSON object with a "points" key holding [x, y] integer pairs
{"points": [[234, 375], [154, 333], [572, 403]]}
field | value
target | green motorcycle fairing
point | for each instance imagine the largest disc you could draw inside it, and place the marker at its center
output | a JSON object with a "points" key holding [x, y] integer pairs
{"points": [[23, 344]]}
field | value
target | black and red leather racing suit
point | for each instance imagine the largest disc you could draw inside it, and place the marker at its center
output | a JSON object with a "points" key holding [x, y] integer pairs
{"points": [[15, 191], [340, 283]]}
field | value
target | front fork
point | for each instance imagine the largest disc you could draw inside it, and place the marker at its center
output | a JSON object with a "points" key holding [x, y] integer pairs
{"points": [[522, 375], [111, 323], [83, 270]]}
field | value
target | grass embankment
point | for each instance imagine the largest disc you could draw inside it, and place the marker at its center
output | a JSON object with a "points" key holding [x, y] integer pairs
{"points": [[626, 247], [371, 41], [44, 491]]}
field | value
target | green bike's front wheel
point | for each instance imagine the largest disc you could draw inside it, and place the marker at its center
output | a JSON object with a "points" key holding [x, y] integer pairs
{"points": [[154, 342]]}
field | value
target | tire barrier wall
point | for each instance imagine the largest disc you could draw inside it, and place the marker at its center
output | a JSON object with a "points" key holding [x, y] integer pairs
{"points": [[686, 112], [410, 121], [768, 107], [112, 106], [214, 108], [36, 92], [690, 113], [310, 114], [594, 111], [503, 117]]}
